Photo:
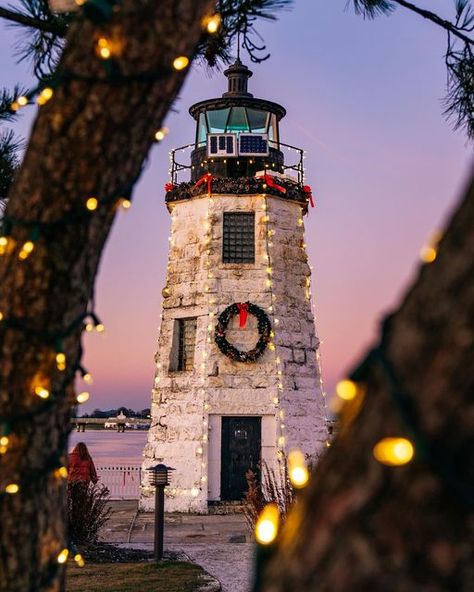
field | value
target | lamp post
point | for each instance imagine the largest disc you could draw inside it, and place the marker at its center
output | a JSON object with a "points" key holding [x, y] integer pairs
{"points": [[159, 479]]}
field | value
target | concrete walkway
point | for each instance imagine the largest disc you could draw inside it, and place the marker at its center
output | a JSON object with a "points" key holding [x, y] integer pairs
{"points": [[219, 543]]}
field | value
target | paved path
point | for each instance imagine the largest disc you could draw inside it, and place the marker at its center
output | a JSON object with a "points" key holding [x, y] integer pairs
{"points": [[220, 544]]}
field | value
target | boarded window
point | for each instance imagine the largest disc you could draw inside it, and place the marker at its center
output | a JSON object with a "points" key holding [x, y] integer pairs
{"points": [[184, 341], [238, 244]]}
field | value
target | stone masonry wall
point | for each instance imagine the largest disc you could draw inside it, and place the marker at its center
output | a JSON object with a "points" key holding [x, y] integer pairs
{"points": [[283, 386]]}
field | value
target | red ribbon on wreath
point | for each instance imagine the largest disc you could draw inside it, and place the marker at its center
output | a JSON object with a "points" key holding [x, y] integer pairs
{"points": [[270, 181], [243, 313], [169, 186], [309, 194], [206, 178]]}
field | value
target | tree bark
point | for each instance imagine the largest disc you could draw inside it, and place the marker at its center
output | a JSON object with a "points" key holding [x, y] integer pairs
{"points": [[90, 139], [365, 526]]}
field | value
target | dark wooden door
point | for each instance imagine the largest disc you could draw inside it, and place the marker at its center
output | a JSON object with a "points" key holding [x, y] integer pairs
{"points": [[240, 451]]}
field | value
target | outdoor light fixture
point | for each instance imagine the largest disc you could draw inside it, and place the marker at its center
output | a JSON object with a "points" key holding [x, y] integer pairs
{"points": [[159, 477]]}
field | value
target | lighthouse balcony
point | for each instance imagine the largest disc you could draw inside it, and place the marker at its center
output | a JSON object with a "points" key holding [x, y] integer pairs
{"points": [[237, 174]]}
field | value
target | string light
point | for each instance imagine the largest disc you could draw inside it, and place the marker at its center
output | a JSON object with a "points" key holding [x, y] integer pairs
{"points": [[347, 389], [125, 203], [61, 472], [297, 469], [82, 397], [45, 95], [92, 203], [61, 361], [161, 134], [212, 23], [78, 557], [63, 555], [12, 488], [180, 63], [26, 250], [103, 48], [394, 451], [266, 528], [42, 392]]}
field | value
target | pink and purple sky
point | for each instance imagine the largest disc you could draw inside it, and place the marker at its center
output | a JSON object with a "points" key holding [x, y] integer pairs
{"points": [[364, 99]]}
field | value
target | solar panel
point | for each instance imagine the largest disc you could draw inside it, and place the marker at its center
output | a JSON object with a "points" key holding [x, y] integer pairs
{"points": [[253, 144], [221, 145]]}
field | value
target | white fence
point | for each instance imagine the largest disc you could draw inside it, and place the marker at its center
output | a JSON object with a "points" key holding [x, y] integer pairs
{"points": [[123, 481]]}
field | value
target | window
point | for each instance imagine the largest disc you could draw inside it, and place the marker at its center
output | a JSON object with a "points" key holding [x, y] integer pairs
{"points": [[238, 244], [184, 340], [217, 120]]}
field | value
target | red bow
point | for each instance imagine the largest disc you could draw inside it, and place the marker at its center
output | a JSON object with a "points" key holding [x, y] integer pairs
{"points": [[243, 313], [270, 181], [207, 177], [309, 194], [169, 186]]}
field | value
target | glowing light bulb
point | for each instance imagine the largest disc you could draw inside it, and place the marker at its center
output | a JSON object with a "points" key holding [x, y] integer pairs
{"points": [[125, 203], [394, 451], [194, 491], [61, 473], [62, 557], [45, 95], [428, 254], [87, 378], [161, 134], [4, 440], [281, 441], [4, 243], [266, 529], [61, 361], [212, 23], [26, 250], [271, 346], [12, 488], [22, 101], [92, 203], [78, 557], [82, 397], [180, 63], [100, 328], [103, 48], [347, 389], [89, 327], [297, 470], [42, 392]]}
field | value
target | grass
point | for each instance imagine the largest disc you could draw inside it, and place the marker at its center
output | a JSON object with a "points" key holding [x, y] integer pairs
{"points": [[169, 576]]}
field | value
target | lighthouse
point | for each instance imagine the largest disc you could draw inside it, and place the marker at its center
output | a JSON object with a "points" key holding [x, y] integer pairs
{"points": [[237, 382]]}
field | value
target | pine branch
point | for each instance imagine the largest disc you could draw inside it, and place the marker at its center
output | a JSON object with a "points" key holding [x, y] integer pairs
{"points": [[47, 26], [10, 146]]}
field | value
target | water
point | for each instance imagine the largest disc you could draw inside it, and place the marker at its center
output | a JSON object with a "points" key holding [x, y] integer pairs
{"points": [[110, 447]]}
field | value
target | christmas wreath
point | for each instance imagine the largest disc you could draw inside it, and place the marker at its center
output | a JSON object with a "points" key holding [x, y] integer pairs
{"points": [[263, 325]]}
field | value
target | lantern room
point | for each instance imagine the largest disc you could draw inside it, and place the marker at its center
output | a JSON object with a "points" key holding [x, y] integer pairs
{"points": [[237, 135]]}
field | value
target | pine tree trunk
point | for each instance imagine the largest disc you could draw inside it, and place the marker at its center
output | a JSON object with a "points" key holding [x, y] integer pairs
{"points": [[363, 526], [90, 139]]}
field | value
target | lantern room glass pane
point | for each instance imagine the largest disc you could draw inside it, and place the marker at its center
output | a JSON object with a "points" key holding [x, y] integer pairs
{"points": [[217, 120], [273, 128], [202, 128], [257, 120], [238, 120]]}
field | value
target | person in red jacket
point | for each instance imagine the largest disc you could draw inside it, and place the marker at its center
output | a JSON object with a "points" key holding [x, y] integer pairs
{"points": [[81, 465]]}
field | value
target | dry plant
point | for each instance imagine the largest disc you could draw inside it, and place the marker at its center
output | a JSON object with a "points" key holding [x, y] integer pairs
{"points": [[88, 511], [274, 486]]}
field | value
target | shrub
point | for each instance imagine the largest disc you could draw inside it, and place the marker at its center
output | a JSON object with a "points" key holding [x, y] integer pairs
{"points": [[88, 511], [275, 486]]}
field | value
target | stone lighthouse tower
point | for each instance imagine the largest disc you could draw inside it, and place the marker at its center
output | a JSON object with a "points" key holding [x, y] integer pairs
{"points": [[237, 377]]}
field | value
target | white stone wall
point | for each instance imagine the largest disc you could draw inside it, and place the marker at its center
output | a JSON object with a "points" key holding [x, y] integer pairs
{"points": [[282, 387]]}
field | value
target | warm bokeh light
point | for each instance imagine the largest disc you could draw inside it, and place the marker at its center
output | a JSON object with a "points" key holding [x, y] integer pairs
{"points": [[180, 63], [103, 48], [347, 389], [41, 392], [92, 203], [297, 469], [12, 488], [212, 23], [82, 397], [394, 451], [266, 529], [62, 557]]}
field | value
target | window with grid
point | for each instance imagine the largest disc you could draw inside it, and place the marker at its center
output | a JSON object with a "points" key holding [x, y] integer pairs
{"points": [[182, 358], [238, 243]]}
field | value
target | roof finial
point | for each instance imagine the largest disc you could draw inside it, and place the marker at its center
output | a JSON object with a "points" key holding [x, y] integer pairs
{"points": [[238, 44]]}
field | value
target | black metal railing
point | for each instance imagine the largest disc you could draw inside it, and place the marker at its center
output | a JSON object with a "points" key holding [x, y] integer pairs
{"points": [[201, 164]]}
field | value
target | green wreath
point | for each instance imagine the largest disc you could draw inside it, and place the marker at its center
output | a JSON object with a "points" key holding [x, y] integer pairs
{"points": [[263, 325]]}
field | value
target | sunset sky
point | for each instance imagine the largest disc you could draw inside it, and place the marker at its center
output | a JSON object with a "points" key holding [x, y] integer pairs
{"points": [[364, 99]]}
